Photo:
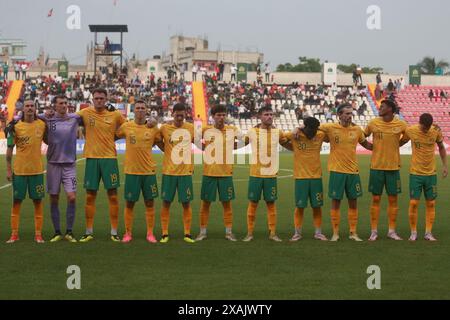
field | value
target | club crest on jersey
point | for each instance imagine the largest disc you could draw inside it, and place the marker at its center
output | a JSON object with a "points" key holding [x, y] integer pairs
{"points": [[108, 120], [396, 130], [147, 135], [352, 135], [39, 133]]}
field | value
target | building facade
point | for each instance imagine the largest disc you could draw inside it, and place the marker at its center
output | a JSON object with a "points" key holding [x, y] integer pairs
{"points": [[187, 51], [12, 51]]}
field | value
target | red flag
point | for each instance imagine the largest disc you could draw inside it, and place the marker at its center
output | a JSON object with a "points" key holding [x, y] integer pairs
{"points": [[50, 13]]}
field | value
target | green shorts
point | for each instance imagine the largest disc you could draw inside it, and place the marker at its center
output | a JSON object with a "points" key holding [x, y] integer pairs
{"points": [[340, 182], [212, 185], [308, 188], [427, 183], [378, 179], [34, 184], [135, 183], [170, 184], [257, 185], [105, 169]]}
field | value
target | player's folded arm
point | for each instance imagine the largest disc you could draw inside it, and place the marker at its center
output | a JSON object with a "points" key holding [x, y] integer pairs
{"points": [[160, 145], [286, 141], [404, 140], [366, 144]]}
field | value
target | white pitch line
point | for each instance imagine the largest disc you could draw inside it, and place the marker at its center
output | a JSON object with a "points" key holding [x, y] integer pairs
{"points": [[9, 184], [5, 186]]}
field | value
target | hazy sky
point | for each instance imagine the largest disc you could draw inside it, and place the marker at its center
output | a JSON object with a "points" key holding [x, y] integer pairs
{"points": [[283, 29]]}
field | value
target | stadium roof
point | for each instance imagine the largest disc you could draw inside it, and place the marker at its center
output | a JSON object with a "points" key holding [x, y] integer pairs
{"points": [[108, 27]]}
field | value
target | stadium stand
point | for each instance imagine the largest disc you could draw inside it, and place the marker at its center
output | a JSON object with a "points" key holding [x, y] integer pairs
{"points": [[415, 100], [291, 103]]}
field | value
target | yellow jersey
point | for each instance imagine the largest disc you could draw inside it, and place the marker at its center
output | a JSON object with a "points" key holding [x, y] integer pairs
{"points": [[139, 142], [100, 129], [218, 156], [28, 139], [178, 156], [423, 161], [343, 142], [307, 163], [386, 143], [264, 160]]}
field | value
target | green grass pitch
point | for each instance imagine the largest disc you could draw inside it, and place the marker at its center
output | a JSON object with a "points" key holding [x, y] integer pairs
{"points": [[218, 269]]}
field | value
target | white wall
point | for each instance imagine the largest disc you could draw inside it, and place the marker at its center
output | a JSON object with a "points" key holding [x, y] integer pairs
{"points": [[279, 77]]}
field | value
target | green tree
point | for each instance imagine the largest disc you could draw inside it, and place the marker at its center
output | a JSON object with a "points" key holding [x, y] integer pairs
{"points": [[305, 65], [428, 65], [287, 67], [350, 68], [308, 65], [314, 65]]}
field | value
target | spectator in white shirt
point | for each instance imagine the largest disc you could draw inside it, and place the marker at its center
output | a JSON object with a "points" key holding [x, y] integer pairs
{"points": [[233, 71], [194, 72]]}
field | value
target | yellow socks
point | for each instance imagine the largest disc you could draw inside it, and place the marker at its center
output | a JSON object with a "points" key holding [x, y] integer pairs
{"points": [[272, 217], [165, 220], [15, 218], [251, 215], [413, 209], [204, 214], [150, 218], [317, 217], [38, 217], [298, 219], [187, 219], [392, 212], [113, 212], [90, 211], [375, 212], [352, 219], [227, 215], [129, 217], [335, 220], [430, 215]]}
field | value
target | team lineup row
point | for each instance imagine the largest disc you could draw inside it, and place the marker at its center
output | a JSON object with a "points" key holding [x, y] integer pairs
{"points": [[102, 127]]}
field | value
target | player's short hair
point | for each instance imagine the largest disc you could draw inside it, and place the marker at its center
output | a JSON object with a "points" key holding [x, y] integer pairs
{"points": [[265, 109], [218, 109], [100, 90], [34, 105], [311, 127], [60, 96], [28, 100], [342, 106], [311, 122], [179, 107], [426, 120], [391, 103], [140, 101]]}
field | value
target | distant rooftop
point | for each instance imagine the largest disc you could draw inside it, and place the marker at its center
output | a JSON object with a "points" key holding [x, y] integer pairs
{"points": [[108, 27]]}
